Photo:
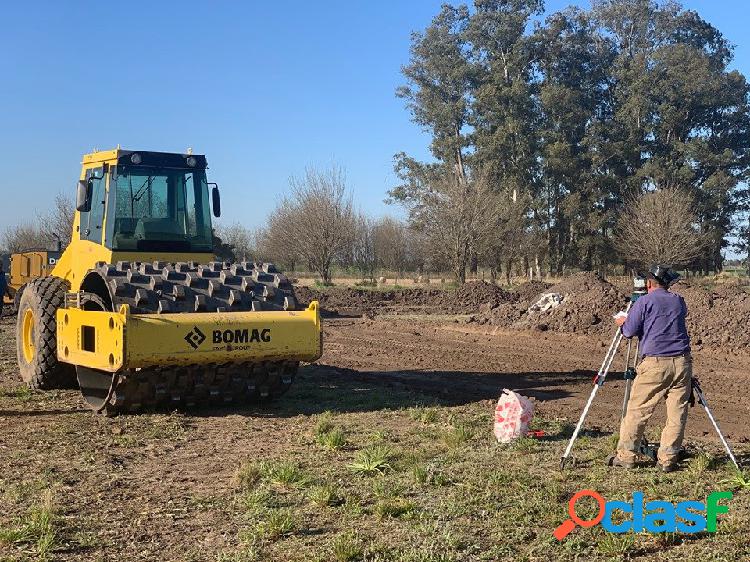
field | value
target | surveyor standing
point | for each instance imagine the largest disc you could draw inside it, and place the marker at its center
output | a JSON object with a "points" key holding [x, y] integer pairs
{"points": [[664, 372]]}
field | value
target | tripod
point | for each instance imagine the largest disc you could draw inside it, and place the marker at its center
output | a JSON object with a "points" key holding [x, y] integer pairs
{"points": [[639, 289]]}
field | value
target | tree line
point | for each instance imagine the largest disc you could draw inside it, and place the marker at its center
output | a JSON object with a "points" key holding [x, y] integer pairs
{"points": [[550, 138]]}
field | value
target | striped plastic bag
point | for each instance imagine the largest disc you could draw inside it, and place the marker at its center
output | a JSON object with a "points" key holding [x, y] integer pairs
{"points": [[513, 414]]}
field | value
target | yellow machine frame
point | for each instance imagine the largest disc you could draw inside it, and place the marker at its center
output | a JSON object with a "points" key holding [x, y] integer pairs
{"points": [[110, 341]]}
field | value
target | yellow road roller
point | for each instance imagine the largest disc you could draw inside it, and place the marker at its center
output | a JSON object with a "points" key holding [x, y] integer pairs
{"points": [[138, 313]]}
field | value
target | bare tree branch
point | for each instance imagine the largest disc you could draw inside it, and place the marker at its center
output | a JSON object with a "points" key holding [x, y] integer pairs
{"points": [[660, 227]]}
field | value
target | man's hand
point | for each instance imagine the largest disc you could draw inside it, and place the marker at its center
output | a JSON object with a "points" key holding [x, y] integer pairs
{"points": [[620, 318]]}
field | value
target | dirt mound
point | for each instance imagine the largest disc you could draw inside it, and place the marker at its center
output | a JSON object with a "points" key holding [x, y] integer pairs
{"points": [[469, 298], [476, 295], [349, 298], [587, 306], [588, 302], [529, 292], [717, 317]]}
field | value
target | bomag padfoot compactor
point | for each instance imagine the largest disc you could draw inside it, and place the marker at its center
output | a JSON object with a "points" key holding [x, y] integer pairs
{"points": [[137, 311]]}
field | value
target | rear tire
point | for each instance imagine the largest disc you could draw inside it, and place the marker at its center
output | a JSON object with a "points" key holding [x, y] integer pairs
{"points": [[36, 335]]}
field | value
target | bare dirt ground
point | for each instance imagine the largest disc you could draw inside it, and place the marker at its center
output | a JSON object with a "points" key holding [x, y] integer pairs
{"points": [[165, 486], [464, 363]]}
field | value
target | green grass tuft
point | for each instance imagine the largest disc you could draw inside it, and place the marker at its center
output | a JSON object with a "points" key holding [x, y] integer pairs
{"points": [[324, 495], [284, 473], [423, 414], [372, 460], [740, 480], [276, 524], [38, 528], [459, 435], [334, 439], [248, 474], [347, 547], [324, 423], [393, 508], [22, 393]]}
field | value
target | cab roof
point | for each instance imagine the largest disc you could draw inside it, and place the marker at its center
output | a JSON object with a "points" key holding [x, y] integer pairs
{"points": [[122, 157]]}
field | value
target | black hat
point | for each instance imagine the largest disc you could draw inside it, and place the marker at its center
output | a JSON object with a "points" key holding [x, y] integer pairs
{"points": [[663, 274]]}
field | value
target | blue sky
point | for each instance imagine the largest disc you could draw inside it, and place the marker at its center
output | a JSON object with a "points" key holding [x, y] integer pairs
{"points": [[263, 89]]}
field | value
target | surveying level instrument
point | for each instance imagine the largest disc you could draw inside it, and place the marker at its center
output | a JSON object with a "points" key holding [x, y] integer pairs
{"points": [[645, 449]]}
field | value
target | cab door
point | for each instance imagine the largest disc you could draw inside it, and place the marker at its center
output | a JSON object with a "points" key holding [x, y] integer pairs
{"points": [[92, 221]]}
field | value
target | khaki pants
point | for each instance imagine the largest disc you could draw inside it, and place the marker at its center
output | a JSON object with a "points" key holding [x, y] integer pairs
{"points": [[658, 377]]}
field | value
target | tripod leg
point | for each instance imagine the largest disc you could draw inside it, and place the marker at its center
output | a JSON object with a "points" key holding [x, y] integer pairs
{"points": [[628, 380], [626, 397], [601, 375], [703, 403]]}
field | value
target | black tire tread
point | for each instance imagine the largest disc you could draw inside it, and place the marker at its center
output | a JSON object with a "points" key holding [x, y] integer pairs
{"points": [[45, 372]]}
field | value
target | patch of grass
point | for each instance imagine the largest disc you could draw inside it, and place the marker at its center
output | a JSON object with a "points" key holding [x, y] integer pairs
{"points": [[324, 495], [246, 554], [615, 545], [740, 480], [412, 511], [284, 473], [334, 439], [420, 474], [318, 284], [258, 500], [37, 528], [386, 488], [425, 475], [457, 436], [347, 547], [525, 444], [324, 424], [22, 393], [393, 508], [86, 539], [248, 474], [173, 427], [424, 414], [380, 435], [276, 524], [372, 460], [701, 463]]}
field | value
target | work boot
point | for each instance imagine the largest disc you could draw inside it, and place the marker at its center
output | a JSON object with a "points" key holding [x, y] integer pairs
{"points": [[613, 460], [669, 467]]}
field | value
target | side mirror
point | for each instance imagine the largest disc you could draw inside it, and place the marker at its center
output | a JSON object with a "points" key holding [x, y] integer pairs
{"points": [[216, 200], [83, 201]]}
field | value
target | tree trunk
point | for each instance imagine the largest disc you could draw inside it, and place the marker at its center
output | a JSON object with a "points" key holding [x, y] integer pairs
{"points": [[325, 275]]}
